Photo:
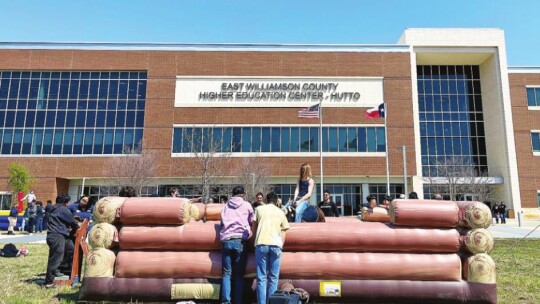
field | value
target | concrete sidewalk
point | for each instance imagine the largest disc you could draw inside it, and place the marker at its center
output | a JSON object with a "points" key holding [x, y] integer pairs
{"points": [[509, 230]]}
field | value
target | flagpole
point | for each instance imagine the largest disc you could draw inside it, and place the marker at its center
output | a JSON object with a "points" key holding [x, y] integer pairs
{"points": [[386, 144], [321, 147]]}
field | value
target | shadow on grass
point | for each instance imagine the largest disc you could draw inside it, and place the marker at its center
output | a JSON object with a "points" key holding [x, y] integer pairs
{"points": [[69, 297]]}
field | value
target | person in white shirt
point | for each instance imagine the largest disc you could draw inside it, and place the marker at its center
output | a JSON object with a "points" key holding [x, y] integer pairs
{"points": [[30, 197]]}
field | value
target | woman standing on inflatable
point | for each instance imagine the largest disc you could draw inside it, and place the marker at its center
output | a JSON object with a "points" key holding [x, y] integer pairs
{"points": [[303, 191]]}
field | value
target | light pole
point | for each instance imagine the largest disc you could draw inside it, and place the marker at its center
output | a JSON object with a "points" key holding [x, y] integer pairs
{"points": [[404, 151]]}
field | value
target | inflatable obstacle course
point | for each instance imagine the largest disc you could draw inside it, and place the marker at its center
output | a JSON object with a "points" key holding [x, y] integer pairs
{"points": [[158, 249]]}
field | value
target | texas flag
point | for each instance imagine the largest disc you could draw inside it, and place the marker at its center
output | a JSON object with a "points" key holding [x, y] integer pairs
{"points": [[375, 112]]}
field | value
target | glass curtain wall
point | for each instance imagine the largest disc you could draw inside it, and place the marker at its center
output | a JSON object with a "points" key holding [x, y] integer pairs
{"points": [[70, 112]]}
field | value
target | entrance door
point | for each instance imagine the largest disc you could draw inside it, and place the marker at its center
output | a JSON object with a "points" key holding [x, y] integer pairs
{"points": [[338, 199]]}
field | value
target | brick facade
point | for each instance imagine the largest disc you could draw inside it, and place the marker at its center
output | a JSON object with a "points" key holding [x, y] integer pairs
{"points": [[51, 173]]}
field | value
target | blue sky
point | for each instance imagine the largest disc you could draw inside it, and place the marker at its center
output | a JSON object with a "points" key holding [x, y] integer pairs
{"points": [[229, 21]]}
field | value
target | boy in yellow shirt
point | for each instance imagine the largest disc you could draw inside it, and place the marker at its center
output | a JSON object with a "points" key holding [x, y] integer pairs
{"points": [[270, 225]]}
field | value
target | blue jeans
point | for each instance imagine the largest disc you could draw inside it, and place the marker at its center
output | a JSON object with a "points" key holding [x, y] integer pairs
{"points": [[300, 208], [233, 263], [268, 259], [39, 224]]}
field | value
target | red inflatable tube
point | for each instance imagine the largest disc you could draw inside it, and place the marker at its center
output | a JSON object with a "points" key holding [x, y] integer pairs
{"points": [[424, 213], [154, 211], [338, 235], [296, 265]]}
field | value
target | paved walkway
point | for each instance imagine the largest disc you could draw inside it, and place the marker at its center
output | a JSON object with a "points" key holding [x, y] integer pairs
{"points": [[509, 230]]}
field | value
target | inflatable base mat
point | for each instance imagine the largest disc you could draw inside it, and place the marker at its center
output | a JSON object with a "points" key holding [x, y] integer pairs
{"points": [[350, 291]]}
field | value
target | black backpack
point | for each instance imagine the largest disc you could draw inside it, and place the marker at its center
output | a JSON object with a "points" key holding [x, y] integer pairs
{"points": [[9, 251]]}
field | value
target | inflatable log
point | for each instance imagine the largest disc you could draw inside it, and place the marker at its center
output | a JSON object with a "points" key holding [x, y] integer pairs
{"points": [[424, 213], [348, 291], [197, 211], [479, 268], [155, 211], [213, 212], [100, 263], [107, 209], [477, 240], [343, 236], [300, 265], [474, 215], [376, 214], [103, 235]]}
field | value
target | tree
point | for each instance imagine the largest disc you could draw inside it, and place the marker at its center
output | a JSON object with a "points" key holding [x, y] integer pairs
{"points": [[19, 179], [134, 168], [456, 176], [254, 175], [210, 163]]}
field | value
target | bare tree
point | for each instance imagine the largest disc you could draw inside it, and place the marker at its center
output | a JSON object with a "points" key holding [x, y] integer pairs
{"points": [[254, 175], [456, 176], [135, 168], [210, 162]]}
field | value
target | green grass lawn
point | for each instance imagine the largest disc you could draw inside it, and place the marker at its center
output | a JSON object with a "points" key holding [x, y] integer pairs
{"points": [[518, 275]]}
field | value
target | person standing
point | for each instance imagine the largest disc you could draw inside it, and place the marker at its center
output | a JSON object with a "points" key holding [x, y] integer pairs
{"points": [[303, 191], [29, 197], [31, 216], [236, 221], [502, 212], [48, 209], [270, 225], [259, 200], [40, 213], [328, 207], [173, 192], [61, 221], [496, 212], [12, 218]]}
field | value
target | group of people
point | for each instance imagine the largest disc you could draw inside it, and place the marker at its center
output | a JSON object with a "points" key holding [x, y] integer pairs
{"points": [[499, 212], [239, 222], [35, 217]]}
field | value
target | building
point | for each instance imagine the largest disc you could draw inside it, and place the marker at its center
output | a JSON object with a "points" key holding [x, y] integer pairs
{"points": [[67, 110]]}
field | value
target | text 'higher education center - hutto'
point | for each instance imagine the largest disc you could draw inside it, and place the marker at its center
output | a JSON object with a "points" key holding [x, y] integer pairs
{"points": [[68, 109]]}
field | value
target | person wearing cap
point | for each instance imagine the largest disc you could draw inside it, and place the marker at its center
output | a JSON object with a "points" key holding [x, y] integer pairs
{"points": [[386, 202], [236, 221]]}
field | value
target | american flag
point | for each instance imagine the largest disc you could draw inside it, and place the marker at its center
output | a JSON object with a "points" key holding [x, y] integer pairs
{"points": [[311, 112]]}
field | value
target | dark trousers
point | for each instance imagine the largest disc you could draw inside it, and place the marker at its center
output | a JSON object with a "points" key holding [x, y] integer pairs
{"points": [[57, 246], [31, 223], [60, 255], [39, 224], [45, 222]]}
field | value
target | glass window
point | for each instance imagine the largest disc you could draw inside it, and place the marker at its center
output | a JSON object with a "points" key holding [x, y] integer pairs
{"points": [[314, 138], [58, 139], [285, 139], [17, 141], [372, 143], [531, 97], [362, 140], [381, 144], [304, 139], [342, 139], [118, 141], [227, 139], [78, 141], [6, 141], [246, 140], [256, 139], [265, 139], [333, 139], [538, 199], [535, 142], [37, 141], [295, 139], [98, 141], [275, 140]]}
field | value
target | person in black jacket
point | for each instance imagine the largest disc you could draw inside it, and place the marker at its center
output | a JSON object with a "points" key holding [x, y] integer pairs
{"points": [[328, 207], [48, 209], [61, 222]]}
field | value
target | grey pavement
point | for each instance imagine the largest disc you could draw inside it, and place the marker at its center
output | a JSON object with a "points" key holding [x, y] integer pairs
{"points": [[509, 230]]}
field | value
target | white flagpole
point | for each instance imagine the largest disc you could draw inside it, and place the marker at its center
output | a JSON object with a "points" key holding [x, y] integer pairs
{"points": [[321, 147], [387, 150]]}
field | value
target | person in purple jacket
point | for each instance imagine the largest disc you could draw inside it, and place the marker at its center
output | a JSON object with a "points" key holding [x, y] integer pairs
{"points": [[236, 221]]}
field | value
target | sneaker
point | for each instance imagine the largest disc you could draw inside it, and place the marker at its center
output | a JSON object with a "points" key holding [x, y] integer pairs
{"points": [[48, 286]]}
